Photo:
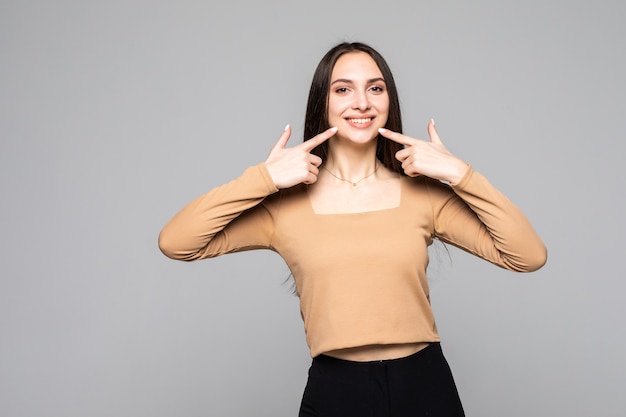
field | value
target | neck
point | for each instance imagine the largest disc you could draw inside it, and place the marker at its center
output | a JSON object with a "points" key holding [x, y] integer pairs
{"points": [[351, 163]]}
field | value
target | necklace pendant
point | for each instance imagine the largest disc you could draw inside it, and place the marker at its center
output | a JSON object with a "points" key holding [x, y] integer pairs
{"points": [[354, 183]]}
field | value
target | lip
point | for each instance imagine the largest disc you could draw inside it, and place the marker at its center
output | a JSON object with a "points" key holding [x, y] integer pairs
{"points": [[356, 121]]}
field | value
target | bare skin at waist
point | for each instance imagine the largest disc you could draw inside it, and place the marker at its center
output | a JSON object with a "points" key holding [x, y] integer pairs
{"points": [[377, 352]]}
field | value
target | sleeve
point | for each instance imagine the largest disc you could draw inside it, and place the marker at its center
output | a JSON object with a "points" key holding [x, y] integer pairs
{"points": [[227, 219], [479, 219]]}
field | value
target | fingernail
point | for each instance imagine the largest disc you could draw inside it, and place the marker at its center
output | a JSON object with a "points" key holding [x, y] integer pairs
{"points": [[334, 129], [286, 127], [381, 130], [433, 120]]}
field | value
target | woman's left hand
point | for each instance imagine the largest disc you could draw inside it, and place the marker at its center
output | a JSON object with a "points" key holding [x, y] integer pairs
{"points": [[429, 158]]}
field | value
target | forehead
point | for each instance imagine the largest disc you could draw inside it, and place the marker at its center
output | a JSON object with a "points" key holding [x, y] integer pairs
{"points": [[355, 65]]}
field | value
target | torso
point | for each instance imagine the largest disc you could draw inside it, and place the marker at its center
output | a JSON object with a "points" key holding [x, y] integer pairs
{"points": [[381, 193], [352, 258]]}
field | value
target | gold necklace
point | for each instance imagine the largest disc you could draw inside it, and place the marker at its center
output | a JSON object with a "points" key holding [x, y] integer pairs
{"points": [[354, 183]]}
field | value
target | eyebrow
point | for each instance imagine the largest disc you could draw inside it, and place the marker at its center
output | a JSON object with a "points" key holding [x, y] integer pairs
{"points": [[345, 80]]}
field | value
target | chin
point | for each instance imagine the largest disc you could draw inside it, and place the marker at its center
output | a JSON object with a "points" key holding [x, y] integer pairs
{"points": [[361, 139]]}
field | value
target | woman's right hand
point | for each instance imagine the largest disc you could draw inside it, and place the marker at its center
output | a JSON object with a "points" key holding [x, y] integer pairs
{"points": [[295, 165]]}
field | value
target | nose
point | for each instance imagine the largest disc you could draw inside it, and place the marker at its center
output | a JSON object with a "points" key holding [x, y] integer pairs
{"points": [[361, 101]]}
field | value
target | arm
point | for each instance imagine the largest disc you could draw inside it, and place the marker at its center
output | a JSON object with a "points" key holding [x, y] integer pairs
{"points": [[478, 218], [230, 218], [481, 220], [200, 229]]}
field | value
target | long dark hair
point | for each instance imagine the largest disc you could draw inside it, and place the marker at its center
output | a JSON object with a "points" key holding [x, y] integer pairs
{"points": [[316, 119]]}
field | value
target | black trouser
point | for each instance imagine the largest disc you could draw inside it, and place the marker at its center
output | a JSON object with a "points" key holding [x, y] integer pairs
{"points": [[418, 385]]}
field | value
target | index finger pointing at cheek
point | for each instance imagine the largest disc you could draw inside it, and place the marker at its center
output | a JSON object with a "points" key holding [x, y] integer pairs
{"points": [[396, 137], [319, 139]]}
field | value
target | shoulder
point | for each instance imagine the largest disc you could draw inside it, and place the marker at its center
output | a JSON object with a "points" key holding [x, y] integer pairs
{"points": [[286, 196], [422, 185]]}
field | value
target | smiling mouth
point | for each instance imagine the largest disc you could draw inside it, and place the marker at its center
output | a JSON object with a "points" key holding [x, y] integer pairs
{"points": [[360, 121]]}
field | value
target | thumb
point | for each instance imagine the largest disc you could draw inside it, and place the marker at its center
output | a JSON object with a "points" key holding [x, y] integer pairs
{"points": [[283, 139], [432, 132]]}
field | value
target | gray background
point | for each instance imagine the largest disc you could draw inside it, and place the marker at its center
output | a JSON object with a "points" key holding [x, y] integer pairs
{"points": [[115, 114]]}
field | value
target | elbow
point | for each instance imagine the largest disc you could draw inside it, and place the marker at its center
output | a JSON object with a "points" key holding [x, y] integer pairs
{"points": [[175, 246], [540, 258], [534, 260], [166, 245], [169, 247]]}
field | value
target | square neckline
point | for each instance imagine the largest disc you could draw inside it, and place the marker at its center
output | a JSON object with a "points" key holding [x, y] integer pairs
{"points": [[359, 213]]}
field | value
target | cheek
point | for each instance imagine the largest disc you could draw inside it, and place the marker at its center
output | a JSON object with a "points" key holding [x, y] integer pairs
{"points": [[383, 110], [384, 104], [335, 109]]}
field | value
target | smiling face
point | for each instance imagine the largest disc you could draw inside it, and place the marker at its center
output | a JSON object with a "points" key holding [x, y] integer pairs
{"points": [[358, 102]]}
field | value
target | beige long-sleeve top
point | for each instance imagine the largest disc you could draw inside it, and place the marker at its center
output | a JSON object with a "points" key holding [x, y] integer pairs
{"points": [[361, 277]]}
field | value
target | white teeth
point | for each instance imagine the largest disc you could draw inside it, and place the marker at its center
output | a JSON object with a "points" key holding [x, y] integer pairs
{"points": [[360, 121]]}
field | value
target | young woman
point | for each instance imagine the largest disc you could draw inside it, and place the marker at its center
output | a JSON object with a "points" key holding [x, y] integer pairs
{"points": [[352, 211]]}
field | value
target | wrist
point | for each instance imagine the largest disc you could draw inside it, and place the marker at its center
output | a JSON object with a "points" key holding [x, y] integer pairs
{"points": [[459, 170]]}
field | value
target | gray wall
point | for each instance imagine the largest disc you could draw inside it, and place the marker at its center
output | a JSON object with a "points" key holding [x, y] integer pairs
{"points": [[115, 114]]}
